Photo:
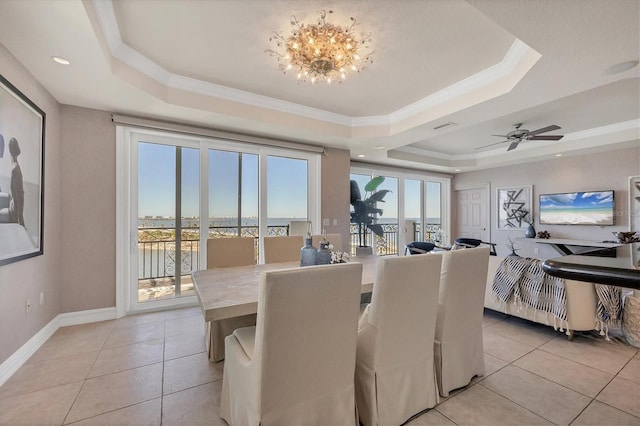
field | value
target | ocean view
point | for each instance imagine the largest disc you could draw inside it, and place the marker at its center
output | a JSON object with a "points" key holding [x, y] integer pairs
{"points": [[156, 248], [573, 216], [168, 222]]}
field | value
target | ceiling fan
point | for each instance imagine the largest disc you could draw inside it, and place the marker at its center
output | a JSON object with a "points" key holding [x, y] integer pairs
{"points": [[518, 135]]}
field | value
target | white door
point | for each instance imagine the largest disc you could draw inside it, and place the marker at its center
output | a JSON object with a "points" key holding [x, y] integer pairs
{"points": [[472, 207]]}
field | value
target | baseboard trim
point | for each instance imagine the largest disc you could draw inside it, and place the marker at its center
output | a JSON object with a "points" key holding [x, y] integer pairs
{"points": [[19, 357], [84, 317]]}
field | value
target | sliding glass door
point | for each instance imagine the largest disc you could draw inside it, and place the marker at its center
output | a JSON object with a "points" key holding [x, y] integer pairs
{"points": [[168, 219], [287, 192], [233, 194], [176, 192], [416, 209]]}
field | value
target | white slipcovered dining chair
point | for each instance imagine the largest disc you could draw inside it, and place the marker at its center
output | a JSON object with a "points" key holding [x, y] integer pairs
{"points": [[395, 377], [228, 252], [334, 239], [459, 350], [225, 253], [296, 366], [282, 249]]}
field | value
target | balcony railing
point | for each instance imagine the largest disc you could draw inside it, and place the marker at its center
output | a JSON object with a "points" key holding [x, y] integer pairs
{"points": [[157, 246], [388, 243]]}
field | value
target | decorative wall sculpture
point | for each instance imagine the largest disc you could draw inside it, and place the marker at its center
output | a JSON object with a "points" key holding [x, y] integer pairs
{"points": [[514, 207], [634, 204]]}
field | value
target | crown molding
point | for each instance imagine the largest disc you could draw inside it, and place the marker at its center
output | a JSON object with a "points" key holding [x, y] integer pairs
{"points": [[517, 55], [616, 133]]}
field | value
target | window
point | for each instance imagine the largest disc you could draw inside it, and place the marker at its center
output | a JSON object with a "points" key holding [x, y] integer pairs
{"points": [[416, 209], [167, 183], [287, 193], [233, 194], [413, 209], [168, 220]]}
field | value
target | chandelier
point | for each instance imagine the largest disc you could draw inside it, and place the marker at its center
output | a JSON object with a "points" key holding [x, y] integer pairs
{"points": [[321, 51]]}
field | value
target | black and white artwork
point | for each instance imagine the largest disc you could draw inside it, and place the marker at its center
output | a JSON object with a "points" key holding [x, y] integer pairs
{"points": [[634, 204], [21, 175], [514, 207]]}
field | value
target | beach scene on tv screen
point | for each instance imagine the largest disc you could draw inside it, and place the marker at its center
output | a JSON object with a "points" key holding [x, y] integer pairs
{"points": [[577, 208]]}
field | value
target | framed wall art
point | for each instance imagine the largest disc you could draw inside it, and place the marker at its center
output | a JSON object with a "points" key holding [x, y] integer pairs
{"points": [[515, 210], [22, 125], [634, 204]]}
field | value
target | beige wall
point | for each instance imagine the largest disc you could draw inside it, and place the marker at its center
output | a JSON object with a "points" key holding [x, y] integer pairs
{"points": [[606, 170], [335, 192], [88, 222], [28, 278], [77, 272]]}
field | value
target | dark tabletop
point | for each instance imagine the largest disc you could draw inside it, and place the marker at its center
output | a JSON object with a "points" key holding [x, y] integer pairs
{"points": [[619, 266]]}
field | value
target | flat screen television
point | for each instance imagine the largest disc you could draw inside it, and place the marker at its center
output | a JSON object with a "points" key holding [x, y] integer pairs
{"points": [[577, 208]]}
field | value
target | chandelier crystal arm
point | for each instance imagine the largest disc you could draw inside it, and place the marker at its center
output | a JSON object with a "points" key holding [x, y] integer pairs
{"points": [[321, 52]]}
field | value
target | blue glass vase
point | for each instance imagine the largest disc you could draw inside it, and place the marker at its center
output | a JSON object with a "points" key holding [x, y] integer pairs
{"points": [[530, 232], [308, 253], [323, 257]]}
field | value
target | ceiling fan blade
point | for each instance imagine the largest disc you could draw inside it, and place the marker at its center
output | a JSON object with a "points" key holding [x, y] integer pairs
{"points": [[501, 136], [545, 138], [491, 144], [513, 145], [544, 130]]}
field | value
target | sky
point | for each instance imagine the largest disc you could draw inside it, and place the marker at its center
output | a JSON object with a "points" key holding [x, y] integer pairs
{"points": [[286, 183], [412, 197], [578, 200]]}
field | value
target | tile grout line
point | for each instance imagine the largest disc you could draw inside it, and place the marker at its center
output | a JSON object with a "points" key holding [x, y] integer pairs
{"points": [[164, 348], [583, 364], [512, 363], [614, 376], [84, 381], [164, 359], [514, 402]]}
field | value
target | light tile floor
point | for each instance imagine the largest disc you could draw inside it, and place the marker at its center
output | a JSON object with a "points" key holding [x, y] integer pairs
{"points": [[152, 369]]}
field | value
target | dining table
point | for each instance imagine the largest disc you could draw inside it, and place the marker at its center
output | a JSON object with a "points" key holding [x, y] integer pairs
{"points": [[233, 292]]}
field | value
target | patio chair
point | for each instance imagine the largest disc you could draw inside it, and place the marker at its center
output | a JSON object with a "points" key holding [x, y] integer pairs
{"points": [[419, 247], [472, 242]]}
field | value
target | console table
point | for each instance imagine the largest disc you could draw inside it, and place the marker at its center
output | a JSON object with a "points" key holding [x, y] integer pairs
{"points": [[566, 246], [620, 269]]}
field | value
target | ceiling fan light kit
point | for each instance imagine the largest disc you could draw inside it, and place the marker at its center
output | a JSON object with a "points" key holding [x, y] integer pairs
{"points": [[515, 137]]}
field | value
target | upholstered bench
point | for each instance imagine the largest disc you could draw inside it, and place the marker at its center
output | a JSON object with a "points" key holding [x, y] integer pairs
{"points": [[581, 304]]}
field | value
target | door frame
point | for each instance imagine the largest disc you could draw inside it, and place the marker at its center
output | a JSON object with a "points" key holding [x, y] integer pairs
{"points": [[126, 194], [487, 188]]}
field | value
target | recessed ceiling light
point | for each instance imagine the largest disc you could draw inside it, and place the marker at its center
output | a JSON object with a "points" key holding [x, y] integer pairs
{"points": [[558, 155], [621, 67], [457, 170], [361, 155], [379, 147], [61, 60]]}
